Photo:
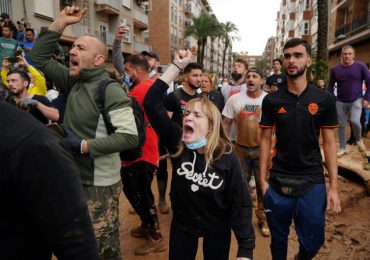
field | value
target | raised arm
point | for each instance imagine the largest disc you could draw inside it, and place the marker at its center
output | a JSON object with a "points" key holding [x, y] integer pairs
{"points": [[117, 50], [168, 131], [43, 51]]}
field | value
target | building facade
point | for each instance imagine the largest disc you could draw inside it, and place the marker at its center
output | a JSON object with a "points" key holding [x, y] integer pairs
{"points": [[168, 20], [268, 54], [349, 25], [102, 19]]}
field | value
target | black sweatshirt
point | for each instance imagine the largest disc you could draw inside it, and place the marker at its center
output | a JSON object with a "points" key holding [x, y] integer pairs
{"points": [[43, 208], [204, 199]]}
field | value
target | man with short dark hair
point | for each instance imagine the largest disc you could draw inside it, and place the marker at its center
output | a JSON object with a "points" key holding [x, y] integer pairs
{"points": [[8, 45], [176, 101], [39, 106], [28, 43], [276, 80], [296, 188], [137, 175]]}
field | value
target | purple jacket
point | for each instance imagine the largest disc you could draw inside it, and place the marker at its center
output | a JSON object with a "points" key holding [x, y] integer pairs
{"points": [[349, 81]]}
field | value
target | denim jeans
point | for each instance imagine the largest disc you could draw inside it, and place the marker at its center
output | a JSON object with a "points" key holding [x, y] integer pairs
{"points": [[354, 110]]}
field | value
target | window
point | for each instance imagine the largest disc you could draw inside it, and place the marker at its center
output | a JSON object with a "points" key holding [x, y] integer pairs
{"points": [[44, 8], [306, 29]]}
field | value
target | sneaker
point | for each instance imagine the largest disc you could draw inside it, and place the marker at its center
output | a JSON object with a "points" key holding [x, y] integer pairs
{"points": [[264, 229], [151, 246], [341, 152], [163, 207], [361, 146], [140, 232]]}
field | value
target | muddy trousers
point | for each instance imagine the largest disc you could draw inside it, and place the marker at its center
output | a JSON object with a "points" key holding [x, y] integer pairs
{"points": [[137, 180], [308, 212], [103, 203], [184, 246]]}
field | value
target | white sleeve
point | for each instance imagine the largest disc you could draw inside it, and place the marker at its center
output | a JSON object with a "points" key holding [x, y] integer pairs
{"points": [[229, 108]]}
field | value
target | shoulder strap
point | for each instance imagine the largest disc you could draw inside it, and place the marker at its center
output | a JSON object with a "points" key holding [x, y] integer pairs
{"points": [[101, 101]]}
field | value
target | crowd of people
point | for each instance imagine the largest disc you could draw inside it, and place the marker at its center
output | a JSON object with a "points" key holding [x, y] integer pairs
{"points": [[60, 190]]}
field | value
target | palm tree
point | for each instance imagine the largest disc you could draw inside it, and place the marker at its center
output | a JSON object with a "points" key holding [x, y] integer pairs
{"points": [[322, 40], [202, 27], [229, 29]]}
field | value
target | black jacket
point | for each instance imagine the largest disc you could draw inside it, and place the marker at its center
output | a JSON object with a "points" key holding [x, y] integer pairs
{"points": [[43, 208]]}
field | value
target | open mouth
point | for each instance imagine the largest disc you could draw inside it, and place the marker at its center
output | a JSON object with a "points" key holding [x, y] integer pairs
{"points": [[73, 63], [188, 131]]}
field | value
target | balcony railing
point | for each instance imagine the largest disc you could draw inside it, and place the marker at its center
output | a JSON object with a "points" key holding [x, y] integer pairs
{"points": [[357, 25], [108, 7], [139, 47]]}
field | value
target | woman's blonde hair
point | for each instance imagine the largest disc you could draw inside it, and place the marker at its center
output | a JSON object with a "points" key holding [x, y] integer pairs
{"points": [[217, 141], [210, 80]]}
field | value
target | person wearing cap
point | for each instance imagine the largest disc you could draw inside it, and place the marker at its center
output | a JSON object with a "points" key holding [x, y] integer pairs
{"points": [[245, 109], [5, 20], [154, 63]]}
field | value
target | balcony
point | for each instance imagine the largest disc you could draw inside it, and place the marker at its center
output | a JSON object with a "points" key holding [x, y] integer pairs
{"points": [[139, 47], [140, 19], [105, 37], [307, 15], [307, 38], [108, 7], [356, 26]]}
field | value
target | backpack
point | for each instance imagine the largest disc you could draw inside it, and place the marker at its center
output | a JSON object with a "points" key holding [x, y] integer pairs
{"points": [[130, 154]]}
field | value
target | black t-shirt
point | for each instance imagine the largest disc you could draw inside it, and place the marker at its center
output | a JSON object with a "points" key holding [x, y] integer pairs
{"points": [[176, 102], [217, 99], [298, 120], [36, 113], [275, 79]]}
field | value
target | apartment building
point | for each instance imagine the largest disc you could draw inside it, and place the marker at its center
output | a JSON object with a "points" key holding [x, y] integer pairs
{"points": [[296, 19], [168, 20], [101, 20], [268, 54], [349, 24]]}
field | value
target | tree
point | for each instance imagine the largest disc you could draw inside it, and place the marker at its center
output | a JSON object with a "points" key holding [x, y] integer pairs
{"points": [[202, 27], [322, 67], [228, 34]]}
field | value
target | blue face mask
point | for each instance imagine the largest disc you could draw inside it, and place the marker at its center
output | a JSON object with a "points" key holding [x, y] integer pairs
{"points": [[129, 81], [197, 144]]}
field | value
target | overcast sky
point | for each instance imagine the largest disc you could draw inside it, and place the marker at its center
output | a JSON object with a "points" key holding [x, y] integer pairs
{"points": [[255, 19]]}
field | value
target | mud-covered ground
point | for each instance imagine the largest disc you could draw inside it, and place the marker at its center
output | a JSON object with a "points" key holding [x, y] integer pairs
{"points": [[347, 234]]}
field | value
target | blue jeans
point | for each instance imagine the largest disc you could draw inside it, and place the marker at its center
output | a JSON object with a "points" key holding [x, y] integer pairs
{"points": [[354, 110], [308, 212]]}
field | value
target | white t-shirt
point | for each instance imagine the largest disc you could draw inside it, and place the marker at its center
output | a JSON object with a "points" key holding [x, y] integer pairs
{"points": [[228, 91], [246, 113]]}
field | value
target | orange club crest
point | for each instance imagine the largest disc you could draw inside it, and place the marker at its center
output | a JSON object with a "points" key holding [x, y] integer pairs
{"points": [[313, 108]]}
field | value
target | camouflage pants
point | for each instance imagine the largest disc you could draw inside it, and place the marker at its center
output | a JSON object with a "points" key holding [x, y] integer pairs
{"points": [[103, 205], [249, 160]]}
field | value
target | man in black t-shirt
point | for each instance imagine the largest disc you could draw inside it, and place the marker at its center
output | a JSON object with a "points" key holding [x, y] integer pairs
{"points": [[276, 80], [39, 106], [296, 188], [176, 101]]}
